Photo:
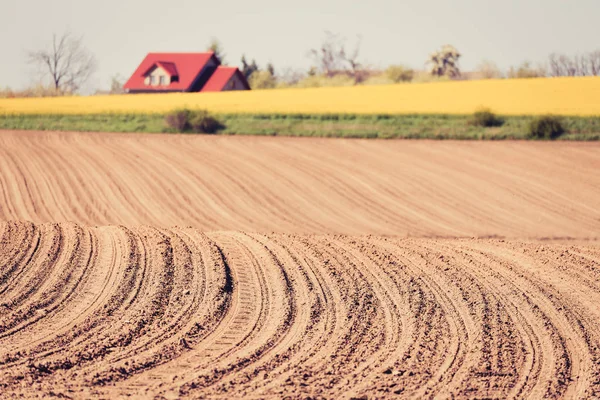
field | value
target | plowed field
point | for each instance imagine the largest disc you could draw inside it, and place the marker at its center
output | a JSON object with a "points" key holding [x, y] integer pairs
{"points": [[158, 266]]}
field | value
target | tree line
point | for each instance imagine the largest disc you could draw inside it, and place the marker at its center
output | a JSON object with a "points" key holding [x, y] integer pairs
{"points": [[67, 65]]}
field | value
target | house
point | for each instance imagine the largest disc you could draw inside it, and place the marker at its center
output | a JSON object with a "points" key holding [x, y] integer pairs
{"points": [[184, 72]]}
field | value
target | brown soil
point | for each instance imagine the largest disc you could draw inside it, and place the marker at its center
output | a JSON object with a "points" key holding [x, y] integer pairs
{"points": [[291, 274], [303, 185]]}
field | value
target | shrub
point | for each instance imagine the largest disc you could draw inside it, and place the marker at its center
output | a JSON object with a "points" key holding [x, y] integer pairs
{"points": [[199, 121], [262, 80], [485, 118], [546, 127], [179, 120], [488, 70], [424, 77], [338, 80], [203, 122], [399, 73], [525, 71]]}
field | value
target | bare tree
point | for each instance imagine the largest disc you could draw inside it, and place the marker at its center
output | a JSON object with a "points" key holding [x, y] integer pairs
{"points": [[554, 67], [358, 70], [68, 63], [568, 65], [594, 63], [290, 76], [579, 65], [332, 58]]}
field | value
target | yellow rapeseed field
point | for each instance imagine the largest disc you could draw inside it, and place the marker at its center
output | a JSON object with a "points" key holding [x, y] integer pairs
{"points": [[564, 96]]}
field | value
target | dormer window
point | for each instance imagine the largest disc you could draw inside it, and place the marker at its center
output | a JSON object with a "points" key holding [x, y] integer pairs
{"points": [[161, 73]]}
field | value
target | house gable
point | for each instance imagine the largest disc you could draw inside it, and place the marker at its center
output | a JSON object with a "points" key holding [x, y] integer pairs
{"points": [[226, 78], [158, 76], [237, 82]]}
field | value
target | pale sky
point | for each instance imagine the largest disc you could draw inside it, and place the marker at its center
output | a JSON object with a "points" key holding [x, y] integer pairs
{"points": [[121, 32]]}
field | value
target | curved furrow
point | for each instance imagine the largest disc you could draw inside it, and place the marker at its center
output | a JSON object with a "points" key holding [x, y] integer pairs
{"points": [[59, 350], [202, 186], [97, 286], [451, 329], [105, 330], [356, 310], [254, 201], [156, 365], [296, 199], [19, 242], [283, 325], [37, 267], [309, 185], [211, 182], [256, 323], [342, 199], [154, 190], [42, 190], [178, 313], [520, 184], [417, 348], [511, 350], [17, 189], [580, 264], [75, 288], [195, 306], [146, 306], [38, 292], [389, 281], [551, 376], [413, 189], [115, 185], [353, 185], [78, 183], [315, 322], [571, 309]]}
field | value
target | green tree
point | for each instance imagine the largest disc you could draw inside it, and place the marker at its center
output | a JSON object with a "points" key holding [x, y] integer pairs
{"points": [[216, 47], [445, 62], [248, 68]]}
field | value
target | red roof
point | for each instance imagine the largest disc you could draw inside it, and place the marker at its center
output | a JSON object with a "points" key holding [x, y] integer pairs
{"points": [[221, 76], [186, 65], [169, 67]]}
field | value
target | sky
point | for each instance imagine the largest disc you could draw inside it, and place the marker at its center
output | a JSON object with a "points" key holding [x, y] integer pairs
{"points": [[120, 32]]}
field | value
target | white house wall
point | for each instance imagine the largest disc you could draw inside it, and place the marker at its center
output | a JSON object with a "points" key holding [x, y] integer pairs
{"points": [[157, 72]]}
